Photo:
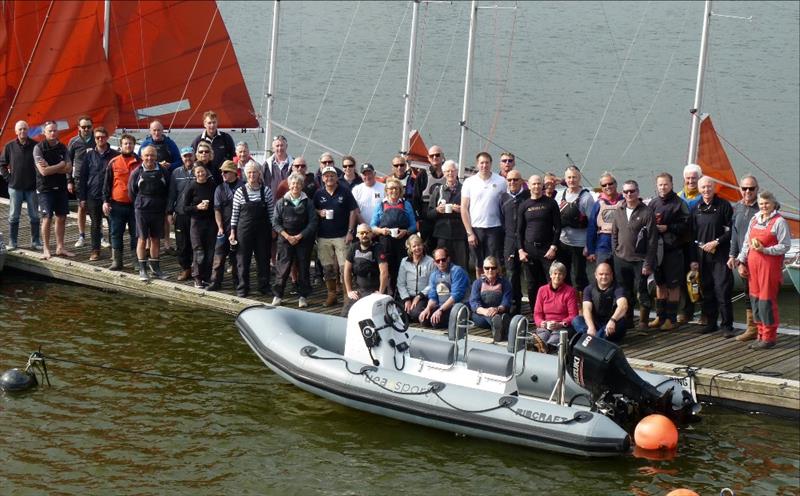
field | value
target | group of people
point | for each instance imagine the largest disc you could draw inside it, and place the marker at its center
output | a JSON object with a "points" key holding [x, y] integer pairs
{"points": [[414, 233]]}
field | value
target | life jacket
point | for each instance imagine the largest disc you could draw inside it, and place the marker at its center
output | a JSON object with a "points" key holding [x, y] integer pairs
{"points": [[605, 216], [295, 217], [152, 182], [491, 295], [122, 166], [433, 182], [571, 215], [52, 154], [365, 267], [162, 151], [394, 215], [603, 302]]}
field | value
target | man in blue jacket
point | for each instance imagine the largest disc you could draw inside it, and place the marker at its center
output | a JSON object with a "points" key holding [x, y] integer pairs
{"points": [[448, 285], [90, 191]]}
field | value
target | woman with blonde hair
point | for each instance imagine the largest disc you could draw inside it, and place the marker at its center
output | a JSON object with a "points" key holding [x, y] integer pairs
{"points": [[413, 277], [393, 221]]}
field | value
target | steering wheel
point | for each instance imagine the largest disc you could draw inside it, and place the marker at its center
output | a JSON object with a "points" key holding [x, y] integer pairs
{"points": [[396, 316]]}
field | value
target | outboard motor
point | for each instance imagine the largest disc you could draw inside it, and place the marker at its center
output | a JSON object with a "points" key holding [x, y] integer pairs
{"points": [[601, 367]]}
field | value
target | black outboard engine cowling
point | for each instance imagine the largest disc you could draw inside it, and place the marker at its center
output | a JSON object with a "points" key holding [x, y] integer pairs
{"points": [[600, 367]]}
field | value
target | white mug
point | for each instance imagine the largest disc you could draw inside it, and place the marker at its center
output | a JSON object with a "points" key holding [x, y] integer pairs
{"points": [[329, 214], [395, 231], [448, 208]]}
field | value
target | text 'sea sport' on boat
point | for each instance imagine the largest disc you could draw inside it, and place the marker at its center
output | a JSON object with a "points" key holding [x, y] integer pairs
{"points": [[584, 401]]}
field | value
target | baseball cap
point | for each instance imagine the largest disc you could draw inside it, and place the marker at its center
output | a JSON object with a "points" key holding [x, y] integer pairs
{"points": [[187, 150], [328, 169], [367, 167]]}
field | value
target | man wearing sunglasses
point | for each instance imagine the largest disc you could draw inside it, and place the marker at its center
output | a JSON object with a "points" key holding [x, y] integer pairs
{"points": [[326, 161], [426, 183], [743, 212], [180, 179], [634, 239], [510, 201], [76, 150], [598, 232], [448, 285]]}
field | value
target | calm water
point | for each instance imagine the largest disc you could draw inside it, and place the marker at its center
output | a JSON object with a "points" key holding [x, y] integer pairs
{"points": [[104, 432], [564, 77]]}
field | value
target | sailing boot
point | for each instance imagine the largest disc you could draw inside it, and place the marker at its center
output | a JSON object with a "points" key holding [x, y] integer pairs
{"points": [[13, 235], [116, 260], [660, 317], [331, 300], [155, 268], [752, 331], [644, 318], [143, 271], [670, 313], [185, 275], [36, 233]]}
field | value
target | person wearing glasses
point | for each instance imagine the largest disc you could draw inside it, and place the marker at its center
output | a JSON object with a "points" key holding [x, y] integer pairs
{"points": [[369, 194], [296, 224], [710, 221], [510, 201], [299, 166], [204, 155], [392, 222], [76, 150], [221, 143], [444, 210], [672, 223], [326, 161], [765, 244], [575, 203], [412, 280], [634, 239], [223, 209], [490, 300], [507, 163], [598, 231], [448, 285], [743, 211], [91, 180], [180, 179], [350, 176], [426, 183], [278, 166], [366, 270], [338, 214], [537, 231], [480, 212], [19, 171]]}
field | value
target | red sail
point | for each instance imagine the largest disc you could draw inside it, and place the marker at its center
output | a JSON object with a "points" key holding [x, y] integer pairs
{"points": [[714, 161], [173, 60], [67, 76]]}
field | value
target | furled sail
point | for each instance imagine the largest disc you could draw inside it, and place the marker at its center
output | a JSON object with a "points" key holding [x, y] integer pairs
{"points": [[58, 72], [174, 60]]}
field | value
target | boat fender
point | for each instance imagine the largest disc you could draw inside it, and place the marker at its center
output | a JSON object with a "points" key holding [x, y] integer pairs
{"points": [[17, 380]]}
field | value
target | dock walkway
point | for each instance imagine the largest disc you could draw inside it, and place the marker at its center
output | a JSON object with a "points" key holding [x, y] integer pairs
{"points": [[725, 370]]}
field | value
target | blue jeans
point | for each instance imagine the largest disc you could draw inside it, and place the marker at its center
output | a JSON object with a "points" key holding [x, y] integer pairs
{"points": [[16, 197], [579, 324], [120, 216]]}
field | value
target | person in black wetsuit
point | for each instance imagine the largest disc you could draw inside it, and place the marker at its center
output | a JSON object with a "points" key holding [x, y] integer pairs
{"points": [[538, 230]]}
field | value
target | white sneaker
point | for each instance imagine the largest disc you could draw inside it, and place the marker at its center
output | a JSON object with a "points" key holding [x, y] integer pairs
{"points": [[81, 241], [302, 303], [104, 243], [276, 301]]}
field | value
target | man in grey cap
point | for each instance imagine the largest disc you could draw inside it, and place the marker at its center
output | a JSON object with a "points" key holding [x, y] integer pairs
{"points": [[368, 194], [180, 179]]}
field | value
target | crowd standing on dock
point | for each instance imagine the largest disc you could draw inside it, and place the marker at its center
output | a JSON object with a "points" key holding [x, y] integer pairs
{"points": [[416, 234]]}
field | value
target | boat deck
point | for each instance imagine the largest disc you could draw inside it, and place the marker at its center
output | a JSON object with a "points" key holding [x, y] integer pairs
{"points": [[725, 370]]}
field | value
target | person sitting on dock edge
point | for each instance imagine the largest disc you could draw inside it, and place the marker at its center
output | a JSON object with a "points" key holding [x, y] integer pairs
{"points": [[448, 285], [604, 307]]}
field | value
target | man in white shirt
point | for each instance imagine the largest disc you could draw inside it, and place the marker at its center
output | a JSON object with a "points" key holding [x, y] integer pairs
{"points": [[480, 212], [368, 194]]}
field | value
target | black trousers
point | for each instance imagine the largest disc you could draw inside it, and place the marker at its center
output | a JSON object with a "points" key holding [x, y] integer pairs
{"points": [[395, 250], [183, 241], [253, 242], [716, 282], [203, 233], [573, 259], [287, 256], [223, 253], [95, 210], [537, 271], [629, 276], [513, 271]]}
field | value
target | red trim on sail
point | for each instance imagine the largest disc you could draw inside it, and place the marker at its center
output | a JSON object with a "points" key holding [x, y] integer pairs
{"points": [[417, 151], [189, 65], [714, 161], [68, 75]]}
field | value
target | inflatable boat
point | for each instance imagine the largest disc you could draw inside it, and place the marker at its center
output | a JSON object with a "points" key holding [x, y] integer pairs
{"points": [[580, 402]]}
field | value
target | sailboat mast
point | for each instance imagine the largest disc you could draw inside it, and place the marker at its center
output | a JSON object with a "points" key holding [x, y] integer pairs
{"points": [[462, 143], [698, 92], [410, 77], [106, 25], [273, 54]]}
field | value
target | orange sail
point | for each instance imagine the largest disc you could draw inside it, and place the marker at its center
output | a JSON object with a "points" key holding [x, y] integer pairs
{"points": [[67, 75], [417, 151], [714, 161], [173, 60]]}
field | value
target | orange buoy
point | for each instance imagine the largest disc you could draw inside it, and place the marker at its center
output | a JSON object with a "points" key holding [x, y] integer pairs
{"points": [[682, 492], [656, 432]]}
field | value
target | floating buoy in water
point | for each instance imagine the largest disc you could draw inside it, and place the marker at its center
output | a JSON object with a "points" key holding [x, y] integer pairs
{"points": [[16, 380], [656, 432], [682, 492]]}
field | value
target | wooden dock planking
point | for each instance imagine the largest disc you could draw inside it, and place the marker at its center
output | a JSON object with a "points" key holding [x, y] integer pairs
{"points": [[719, 361]]}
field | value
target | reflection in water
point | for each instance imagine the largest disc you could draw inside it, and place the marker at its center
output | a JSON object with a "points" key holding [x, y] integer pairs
{"points": [[115, 432]]}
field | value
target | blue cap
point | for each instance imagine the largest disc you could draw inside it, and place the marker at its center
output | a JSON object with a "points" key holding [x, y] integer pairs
{"points": [[187, 149]]}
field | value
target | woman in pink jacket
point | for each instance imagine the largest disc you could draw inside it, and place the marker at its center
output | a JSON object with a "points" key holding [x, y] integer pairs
{"points": [[556, 306]]}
